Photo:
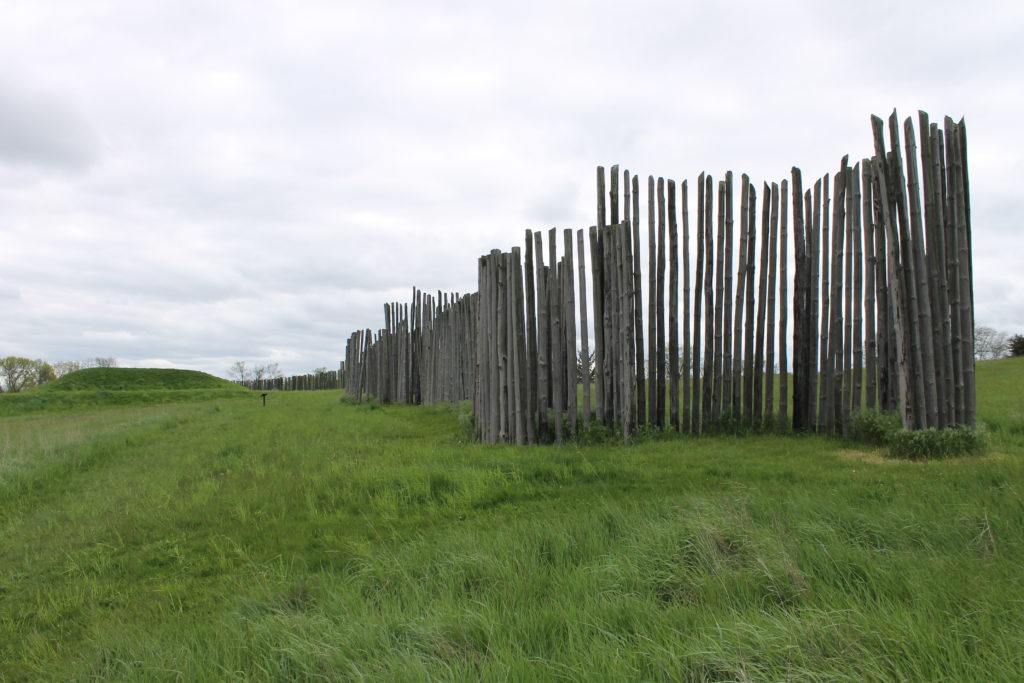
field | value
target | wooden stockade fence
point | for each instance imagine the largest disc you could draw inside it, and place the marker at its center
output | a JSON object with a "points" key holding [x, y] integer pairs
{"points": [[331, 379], [875, 307]]}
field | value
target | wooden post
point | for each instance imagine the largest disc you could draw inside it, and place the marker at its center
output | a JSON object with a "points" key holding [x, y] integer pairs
{"points": [[965, 184], [783, 312], [924, 318], [613, 194], [652, 306], [707, 377], [833, 405], [517, 346], [660, 368], [584, 331], [569, 322], [629, 422], [896, 281], [741, 279], [557, 343], [543, 341], [719, 337], [886, 379], [959, 190], [613, 342], [762, 301], [687, 360], [638, 308], [852, 202], [673, 309], [858, 294], [728, 320], [697, 309], [748, 346], [953, 278], [942, 259], [801, 303], [773, 238], [599, 354], [932, 176], [531, 339], [502, 344], [870, 265], [820, 269], [932, 248], [898, 182]]}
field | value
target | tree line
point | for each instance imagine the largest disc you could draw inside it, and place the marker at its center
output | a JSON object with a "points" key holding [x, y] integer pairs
{"points": [[18, 373]]}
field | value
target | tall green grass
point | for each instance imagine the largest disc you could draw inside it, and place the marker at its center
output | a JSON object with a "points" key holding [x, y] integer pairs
{"points": [[314, 539]]}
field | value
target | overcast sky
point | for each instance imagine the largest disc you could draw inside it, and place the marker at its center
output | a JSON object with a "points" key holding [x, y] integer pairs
{"points": [[187, 184]]}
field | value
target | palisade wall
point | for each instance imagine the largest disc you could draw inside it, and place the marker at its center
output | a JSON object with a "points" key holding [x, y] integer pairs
{"points": [[872, 309], [331, 379]]}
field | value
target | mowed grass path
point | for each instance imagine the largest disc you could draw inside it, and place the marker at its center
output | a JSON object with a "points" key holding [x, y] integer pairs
{"points": [[318, 540]]}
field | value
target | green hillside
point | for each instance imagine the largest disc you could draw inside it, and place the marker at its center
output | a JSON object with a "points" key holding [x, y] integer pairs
{"points": [[99, 387], [316, 539], [136, 379]]}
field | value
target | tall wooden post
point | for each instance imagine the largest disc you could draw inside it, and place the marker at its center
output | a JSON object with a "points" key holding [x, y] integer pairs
{"points": [[584, 331], [687, 351], [673, 309]]}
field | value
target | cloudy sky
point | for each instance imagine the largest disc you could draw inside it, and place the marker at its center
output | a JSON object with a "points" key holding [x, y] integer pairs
{"points": [[189, 183]]}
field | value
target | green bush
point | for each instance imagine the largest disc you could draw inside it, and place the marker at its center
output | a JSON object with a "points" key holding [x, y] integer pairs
{"points": [[932, 444], [874, 427], [1016, 345], [595, 434]]}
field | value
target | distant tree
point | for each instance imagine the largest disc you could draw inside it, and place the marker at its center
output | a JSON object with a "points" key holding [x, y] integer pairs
{"points": [[18, 374], [240, 372], [989, 343], [98, 362], [259, 373], [65, 367], [271, 371], [46, 373], [1016, 345]]}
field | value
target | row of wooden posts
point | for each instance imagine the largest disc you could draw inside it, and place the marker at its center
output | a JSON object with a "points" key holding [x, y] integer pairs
{"points": [[330, 379], [880, 294], [425, 353]]}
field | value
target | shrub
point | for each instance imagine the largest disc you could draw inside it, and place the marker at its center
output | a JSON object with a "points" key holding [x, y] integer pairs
{"points": [[595, 434], [1016, 345], [874, 427], [932, 444]]}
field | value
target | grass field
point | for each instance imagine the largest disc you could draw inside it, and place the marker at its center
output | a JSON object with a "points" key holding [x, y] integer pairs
{"points": [[313, 539]]}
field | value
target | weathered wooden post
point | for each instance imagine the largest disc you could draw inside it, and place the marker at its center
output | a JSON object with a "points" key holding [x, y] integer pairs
{"points": [[584, 326], [718, 336], [652, 307], [638, 308], [741, 280], [707, 378], [762, 302], [660, 365], [687, 360], [783, 312], [673, 309], [570, 329], [728, 320]]}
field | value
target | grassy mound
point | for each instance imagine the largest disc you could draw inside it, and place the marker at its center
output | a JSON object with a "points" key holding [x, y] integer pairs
{"points": [[98, 387], [137, 379]]}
